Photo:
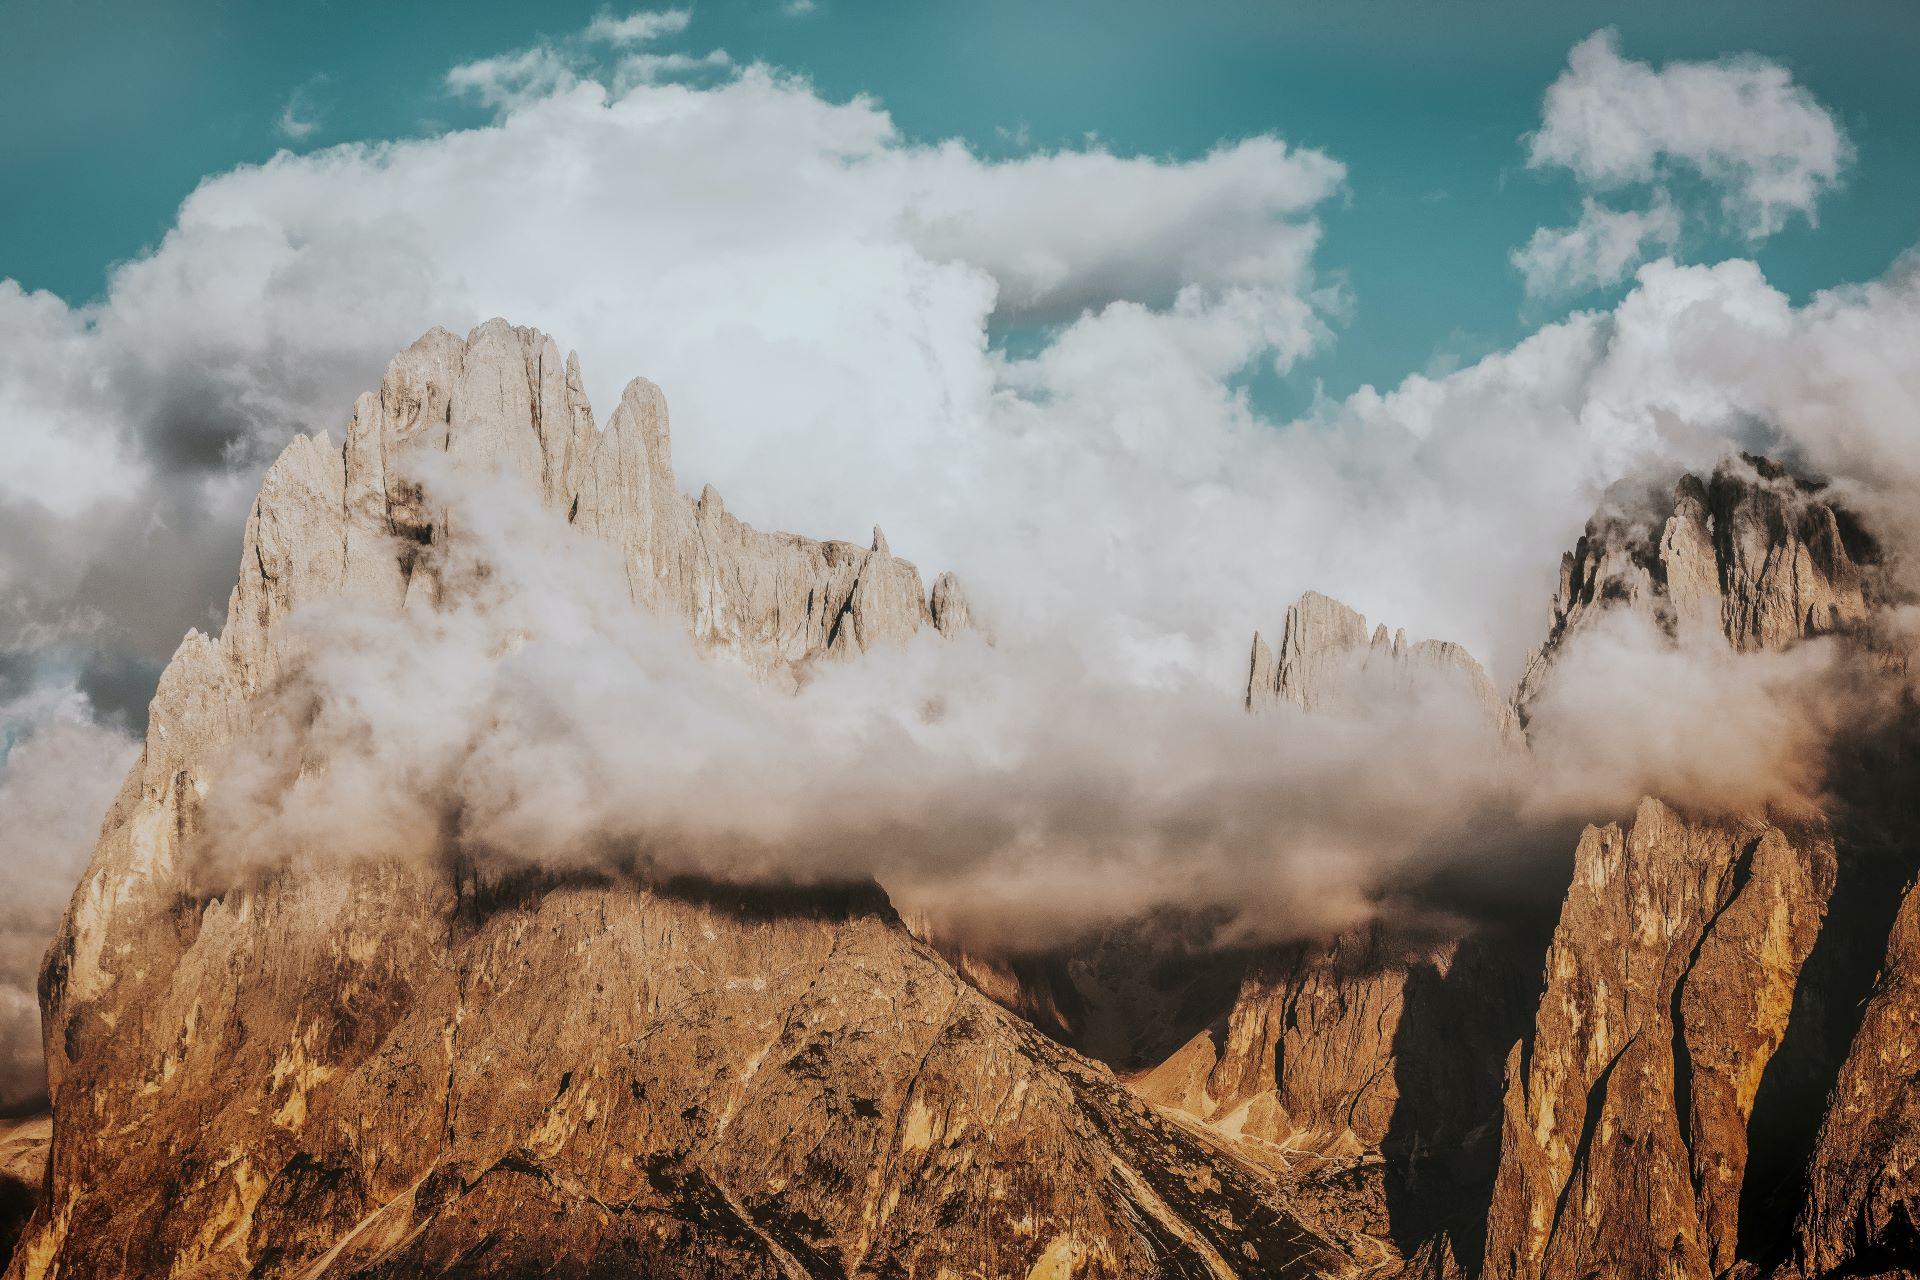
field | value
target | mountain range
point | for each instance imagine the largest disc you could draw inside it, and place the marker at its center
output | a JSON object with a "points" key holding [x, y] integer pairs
{"points": [[1696, 1055]]}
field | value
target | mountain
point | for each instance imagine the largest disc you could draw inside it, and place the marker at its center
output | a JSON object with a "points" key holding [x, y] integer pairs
{"points": [[423, 1066], [1704, 1062]]}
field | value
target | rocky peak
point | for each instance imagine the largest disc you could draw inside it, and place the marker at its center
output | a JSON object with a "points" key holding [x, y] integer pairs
{"points": [[405, 1067], [1752, 557], [1326, 653]]}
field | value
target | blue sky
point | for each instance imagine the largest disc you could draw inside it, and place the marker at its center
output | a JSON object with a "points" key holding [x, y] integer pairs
{"points": [[110, 113]]}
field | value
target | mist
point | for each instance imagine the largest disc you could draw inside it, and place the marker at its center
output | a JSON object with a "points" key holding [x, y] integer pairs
{"points": [[1010, 790]]}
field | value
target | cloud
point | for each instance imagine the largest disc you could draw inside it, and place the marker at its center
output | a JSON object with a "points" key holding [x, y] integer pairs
{"points": [[1741, 126], [652, 68], [58, 770], [817, 294], [692, 233], [642, 26], [1012, 794], [1601, 249], [300, 118], [1741, 123], [513, 79]]}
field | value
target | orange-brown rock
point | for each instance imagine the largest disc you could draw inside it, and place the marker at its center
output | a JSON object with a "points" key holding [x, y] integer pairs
{"points": [[1668, 986]]}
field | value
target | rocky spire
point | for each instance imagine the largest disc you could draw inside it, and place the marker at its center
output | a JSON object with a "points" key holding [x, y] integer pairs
{"points": [[1753, 557], [1326, 651], [404, 1067]]}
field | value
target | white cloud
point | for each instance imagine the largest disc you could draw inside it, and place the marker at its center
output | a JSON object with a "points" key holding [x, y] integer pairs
{"points": [[58, 771], [298, 120], [1741, 123], [513, 79], [639, 27], [1601, 249], [812, 290], [651, 68]]}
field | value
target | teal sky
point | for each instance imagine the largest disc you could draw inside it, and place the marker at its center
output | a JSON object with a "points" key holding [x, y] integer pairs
{"points": [[111, 112]]}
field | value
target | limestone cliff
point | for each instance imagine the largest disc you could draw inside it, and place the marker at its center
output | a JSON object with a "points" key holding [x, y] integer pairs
{"points": [[1862, 1210], [384, 1068], [1677, 963]]}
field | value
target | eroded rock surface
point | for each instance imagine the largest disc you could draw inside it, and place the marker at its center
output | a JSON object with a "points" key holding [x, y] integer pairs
{"points": [[23, 1168], [1668, 986]]}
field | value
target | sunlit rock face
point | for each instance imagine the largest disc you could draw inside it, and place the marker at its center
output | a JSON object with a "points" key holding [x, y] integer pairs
{"points": [[408, 1067], [1667, 990], [1862, 1208]]}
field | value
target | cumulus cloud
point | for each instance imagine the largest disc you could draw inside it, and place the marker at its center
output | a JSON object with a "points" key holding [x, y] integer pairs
{"points": [[1740, 126], [58, 770], [1740, 123], [694, 234]]}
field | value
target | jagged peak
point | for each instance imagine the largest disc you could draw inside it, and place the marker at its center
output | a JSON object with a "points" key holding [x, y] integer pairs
{"points": [[1324, 646], [1754, 556]]}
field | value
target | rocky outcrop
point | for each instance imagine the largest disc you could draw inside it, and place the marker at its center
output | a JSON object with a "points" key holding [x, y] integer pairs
{"points": [[384, 1068], [1862, 1210], [1327, 661], [1668, 986], [1306, 1058], [1370, 1063], [1753, 554]]}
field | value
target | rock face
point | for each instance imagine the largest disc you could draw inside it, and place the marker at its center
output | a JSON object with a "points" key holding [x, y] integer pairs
{"points": [[1677, 963], [1327, 660], [1862, 1211], [1372, 1062], [1668, 987], [413, 1068], [1752, 554]]}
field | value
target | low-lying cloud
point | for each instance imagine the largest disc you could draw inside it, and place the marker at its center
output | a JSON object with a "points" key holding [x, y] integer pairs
{"points": [[1011, 793]]}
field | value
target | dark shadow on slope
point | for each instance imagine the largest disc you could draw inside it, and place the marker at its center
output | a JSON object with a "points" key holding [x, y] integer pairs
{"points": [[480, 896], [1442, 1147], [1877, 839]]}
